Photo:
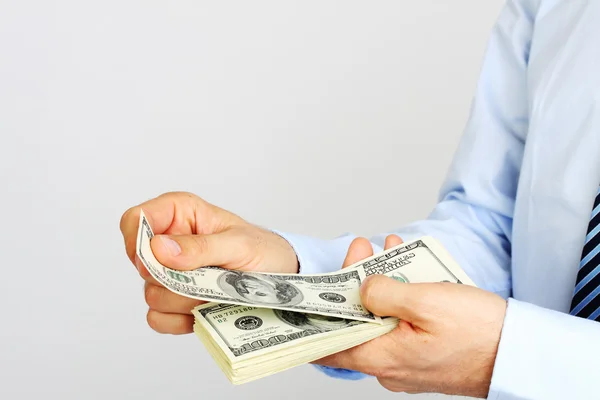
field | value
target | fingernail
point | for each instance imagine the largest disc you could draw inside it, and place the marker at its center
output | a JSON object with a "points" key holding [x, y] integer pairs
{"points": [[172, 246]]}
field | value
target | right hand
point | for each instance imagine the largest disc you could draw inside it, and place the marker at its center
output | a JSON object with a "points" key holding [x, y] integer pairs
{"points": [[192, 233]]}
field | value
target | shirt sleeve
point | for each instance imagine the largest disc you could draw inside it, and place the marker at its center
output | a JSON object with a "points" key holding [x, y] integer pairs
{"points": [[474, 214], [545, 354]]}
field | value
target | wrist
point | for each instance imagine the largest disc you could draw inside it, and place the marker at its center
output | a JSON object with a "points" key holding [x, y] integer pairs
{"points": [[489, 353], [290, 262]]}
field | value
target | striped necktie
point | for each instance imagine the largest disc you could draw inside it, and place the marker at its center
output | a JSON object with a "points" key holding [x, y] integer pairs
{"points": [[586, 299]]}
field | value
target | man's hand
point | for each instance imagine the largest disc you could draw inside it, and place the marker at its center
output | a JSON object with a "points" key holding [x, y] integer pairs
{"points": [[192, 233], [446, 341]]}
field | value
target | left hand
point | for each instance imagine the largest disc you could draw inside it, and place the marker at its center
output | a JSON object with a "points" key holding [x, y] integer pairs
{"points": [[191, 233], [446, 341]]}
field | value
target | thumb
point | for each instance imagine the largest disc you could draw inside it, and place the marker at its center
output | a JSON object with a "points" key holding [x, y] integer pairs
{"points": [[188, 252], [359, 249], [387, 297]]}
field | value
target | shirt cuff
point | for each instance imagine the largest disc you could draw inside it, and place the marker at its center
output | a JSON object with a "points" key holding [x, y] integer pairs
{"points": [[341, 373], [317, 256], [545, 354]]}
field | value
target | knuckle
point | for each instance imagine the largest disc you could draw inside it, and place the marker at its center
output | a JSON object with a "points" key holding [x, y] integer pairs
{"points": [[255, 243], [183, 199], [259, 240], [182, 195], [126, 217], [391, 385], [249, 240], [369, 288], [200, 245], [153, 295], [175, 193], [384, 372]]}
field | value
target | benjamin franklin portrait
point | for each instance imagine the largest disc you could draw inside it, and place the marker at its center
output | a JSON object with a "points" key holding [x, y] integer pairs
{"points": [[259, 288]]}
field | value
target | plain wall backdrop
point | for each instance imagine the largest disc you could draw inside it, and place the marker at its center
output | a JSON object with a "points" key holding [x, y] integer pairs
{"points": [[318, 117]]}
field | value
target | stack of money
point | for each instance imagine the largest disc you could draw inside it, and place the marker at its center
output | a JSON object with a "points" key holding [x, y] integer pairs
{"points": [[249, 343], [258, 324]]}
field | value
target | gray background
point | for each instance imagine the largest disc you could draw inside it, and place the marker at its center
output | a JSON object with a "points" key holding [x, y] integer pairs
{"points": [[318, 117]]}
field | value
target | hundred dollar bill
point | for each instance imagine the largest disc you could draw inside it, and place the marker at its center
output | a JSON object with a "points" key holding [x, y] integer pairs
{"points": [[423, 260], [334, 294]]}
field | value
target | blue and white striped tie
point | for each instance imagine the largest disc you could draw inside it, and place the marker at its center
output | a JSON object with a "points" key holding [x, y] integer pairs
{"points": [[586, 299]]}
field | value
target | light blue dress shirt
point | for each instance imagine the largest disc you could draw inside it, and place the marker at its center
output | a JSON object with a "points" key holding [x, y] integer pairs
{"points": [[515, 205]]}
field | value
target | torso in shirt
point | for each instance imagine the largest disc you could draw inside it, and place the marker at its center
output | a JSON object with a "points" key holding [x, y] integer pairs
{"points": [[560, 171]]}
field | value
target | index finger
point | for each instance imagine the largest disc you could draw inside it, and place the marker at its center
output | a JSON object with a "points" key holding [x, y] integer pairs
{"points": [[369, 358], [161, 212]]}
